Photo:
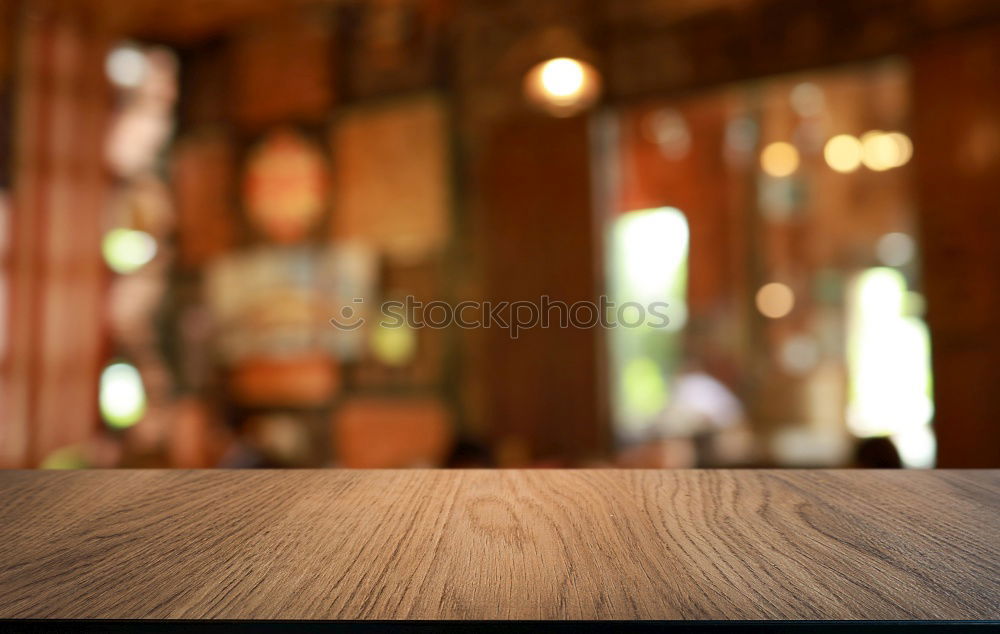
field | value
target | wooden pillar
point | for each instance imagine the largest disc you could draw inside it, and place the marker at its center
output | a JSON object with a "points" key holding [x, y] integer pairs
{"points": [[956, 138], [545, 387], [56, 272]]}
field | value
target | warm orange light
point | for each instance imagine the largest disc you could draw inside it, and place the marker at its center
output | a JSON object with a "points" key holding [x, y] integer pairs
{"points": [[885, 150], [779, 159], [843, 153], [880, 151], [904, 147], [775, 300], [562, 78], [562, 86]]}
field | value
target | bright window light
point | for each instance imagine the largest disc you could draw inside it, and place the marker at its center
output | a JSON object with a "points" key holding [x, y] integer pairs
{"points": [[648, 263], [654, 249], [889, 364]]}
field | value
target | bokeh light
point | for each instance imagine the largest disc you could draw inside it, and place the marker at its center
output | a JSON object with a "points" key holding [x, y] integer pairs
{"points": [[885, 150], [779, 159], [394, 346], [741, 138], [562, 78], [775, 300], [667, 128], [904, 147], [843, 153], [895, 249], [562, 86], [127, 250], [125, 66], [880, 152], [807, 99], [800, 354], [122, 395]]}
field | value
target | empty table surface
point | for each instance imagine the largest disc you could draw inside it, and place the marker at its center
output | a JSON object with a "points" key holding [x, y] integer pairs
{"points": [[588, 544]]}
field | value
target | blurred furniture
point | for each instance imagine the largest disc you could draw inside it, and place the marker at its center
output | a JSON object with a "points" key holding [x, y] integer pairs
{"points": [[308, 380], [391, 432], [597, 544]]}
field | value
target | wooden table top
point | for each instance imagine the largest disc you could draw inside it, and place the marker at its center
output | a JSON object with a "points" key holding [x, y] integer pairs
{"points": [[500, 544]]}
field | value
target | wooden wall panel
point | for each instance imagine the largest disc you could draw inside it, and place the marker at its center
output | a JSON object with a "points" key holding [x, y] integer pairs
{"points": [[391, 177], [545, 389], [283, 69], [956, 137], [203, 178]]}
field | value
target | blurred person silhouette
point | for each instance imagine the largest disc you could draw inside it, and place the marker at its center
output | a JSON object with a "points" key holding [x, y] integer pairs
{"points": [[704, 405], [878, 452]]}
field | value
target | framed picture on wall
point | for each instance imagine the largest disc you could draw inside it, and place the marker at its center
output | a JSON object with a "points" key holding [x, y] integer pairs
{"points": [[391, 187]]}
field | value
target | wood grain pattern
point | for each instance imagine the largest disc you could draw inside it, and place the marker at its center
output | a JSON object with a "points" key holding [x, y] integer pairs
{"points": [[500, 544]]}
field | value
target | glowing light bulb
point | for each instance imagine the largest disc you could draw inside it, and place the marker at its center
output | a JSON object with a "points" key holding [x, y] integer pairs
{"points": [[562, 86], [562, 78]]}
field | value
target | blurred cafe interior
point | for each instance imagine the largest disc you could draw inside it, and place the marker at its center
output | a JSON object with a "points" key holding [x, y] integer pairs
{"points": [[191, 190]]}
